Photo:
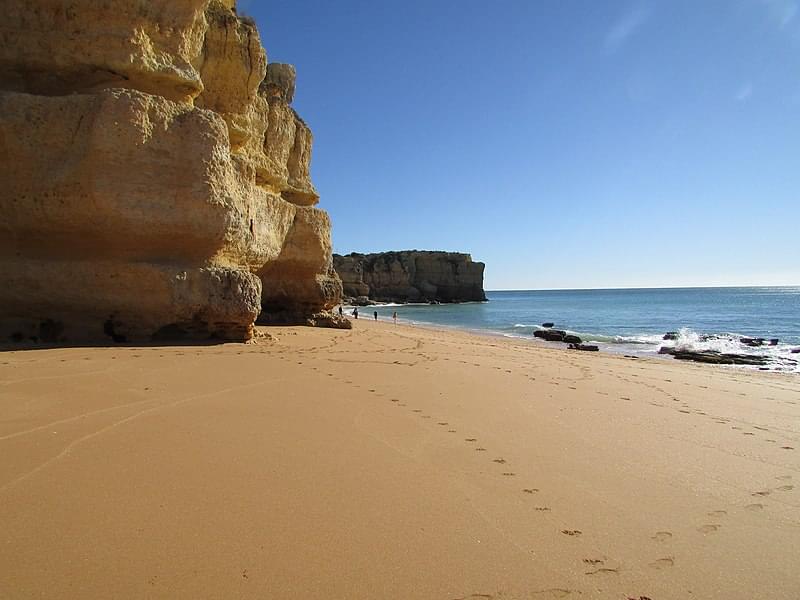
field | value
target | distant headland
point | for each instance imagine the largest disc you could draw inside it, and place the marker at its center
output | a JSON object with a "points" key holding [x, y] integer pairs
{"points": [[410, 276]]}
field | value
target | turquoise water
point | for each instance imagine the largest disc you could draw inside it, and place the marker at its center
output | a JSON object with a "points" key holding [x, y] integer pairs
{"points": [[632, 320]]}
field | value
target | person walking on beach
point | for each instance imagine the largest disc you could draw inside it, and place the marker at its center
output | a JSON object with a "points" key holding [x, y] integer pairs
{"points": [[375, 314], [355, 312], [394, 317], [341, 312]]}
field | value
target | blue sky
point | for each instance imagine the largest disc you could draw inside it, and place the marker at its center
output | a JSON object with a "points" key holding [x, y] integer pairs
{"points": [[566, 143]]}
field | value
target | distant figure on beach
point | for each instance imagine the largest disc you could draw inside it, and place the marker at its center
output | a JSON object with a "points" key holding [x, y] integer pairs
{"points": [[341, 312], [355, 312], [394, 317], [375, 314]]}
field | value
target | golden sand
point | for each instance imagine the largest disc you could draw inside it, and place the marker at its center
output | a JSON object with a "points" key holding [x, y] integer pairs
{"points": [[394, 462]]}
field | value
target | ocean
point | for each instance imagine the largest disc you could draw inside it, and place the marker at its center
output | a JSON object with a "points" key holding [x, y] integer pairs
{"points": [[632, 321]]}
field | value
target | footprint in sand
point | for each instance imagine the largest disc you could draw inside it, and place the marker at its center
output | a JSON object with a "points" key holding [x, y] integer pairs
{"points": [[553, 593], [717, 513], [761, 493], [785, 488], [754, 507], [603, 571], [442, 423], [572, 532], [395, 400], [708, 528], [662, 536], [686, 412], [470, 439], [786, 448], [542, 508], [748, 433], [594, 561], [480, 449], [417, 410], [500, 461], [509, 474], [663, 563], [530, 490], [451, 431]]}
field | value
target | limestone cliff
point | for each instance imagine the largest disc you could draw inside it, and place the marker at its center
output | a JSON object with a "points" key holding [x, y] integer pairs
{"points": [[411, 276], [155, 177]]}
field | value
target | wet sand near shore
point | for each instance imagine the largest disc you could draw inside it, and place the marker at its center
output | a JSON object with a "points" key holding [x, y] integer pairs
{"points": [[394, 462]]}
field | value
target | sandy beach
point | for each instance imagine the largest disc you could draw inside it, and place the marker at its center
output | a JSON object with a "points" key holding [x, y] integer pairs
{"points": [[393, 462]]}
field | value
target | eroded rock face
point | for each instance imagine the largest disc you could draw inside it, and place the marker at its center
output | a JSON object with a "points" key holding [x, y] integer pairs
{"points": [[155, 177], [411, 276]]}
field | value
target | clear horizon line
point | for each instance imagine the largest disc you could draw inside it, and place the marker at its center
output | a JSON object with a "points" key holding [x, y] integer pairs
{"points": [[668, 287]]}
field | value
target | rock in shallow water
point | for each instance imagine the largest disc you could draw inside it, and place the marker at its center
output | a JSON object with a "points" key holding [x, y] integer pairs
{"points": [[551, 335], [586, 348], [717, 358]]}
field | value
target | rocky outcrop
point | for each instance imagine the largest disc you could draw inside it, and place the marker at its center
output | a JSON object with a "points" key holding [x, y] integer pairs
{"points": [[585, 347], [155, 177], [716, 358], [411, 276]]}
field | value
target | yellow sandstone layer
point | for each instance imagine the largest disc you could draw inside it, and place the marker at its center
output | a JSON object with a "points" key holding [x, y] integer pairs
{"points": [[155, 177]]}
